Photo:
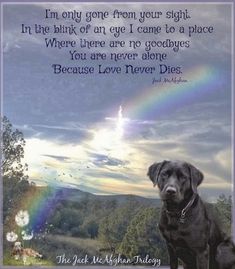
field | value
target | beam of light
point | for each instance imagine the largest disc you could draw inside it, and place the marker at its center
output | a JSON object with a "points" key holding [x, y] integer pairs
{"points": [[109, 139], [120, 122]]}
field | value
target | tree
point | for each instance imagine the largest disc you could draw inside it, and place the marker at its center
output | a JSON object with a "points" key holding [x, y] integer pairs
{"points": [[15, 181], [90, 227], [13, 152], [143, 236], [114, 226], [224, 209]]}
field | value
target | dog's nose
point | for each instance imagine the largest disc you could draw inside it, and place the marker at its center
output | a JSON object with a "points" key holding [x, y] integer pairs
{"points": [[171, 190]]}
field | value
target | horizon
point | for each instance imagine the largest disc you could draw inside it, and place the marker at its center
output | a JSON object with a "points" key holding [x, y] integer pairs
{"points": [[156, 197]]}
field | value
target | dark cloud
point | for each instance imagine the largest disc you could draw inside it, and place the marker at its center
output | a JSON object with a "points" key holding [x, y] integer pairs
{"points": [[64, 133], [58, 158], [104, 160]]}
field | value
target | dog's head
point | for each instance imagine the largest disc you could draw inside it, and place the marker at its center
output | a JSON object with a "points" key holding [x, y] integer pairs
{"points": [[175, 179], [17, 250], [17, 246]]}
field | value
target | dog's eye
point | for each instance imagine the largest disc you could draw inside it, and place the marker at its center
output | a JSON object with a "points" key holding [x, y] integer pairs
{"points": [[183, 178], [164, 175]]}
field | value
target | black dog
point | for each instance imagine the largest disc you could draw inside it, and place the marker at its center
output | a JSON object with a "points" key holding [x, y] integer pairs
{"points": [[191, 232]]}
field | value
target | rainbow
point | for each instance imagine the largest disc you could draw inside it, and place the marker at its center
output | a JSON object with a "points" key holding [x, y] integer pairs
{"points": [[42, 207], [163, 98], [40, 202], [160, 99]]}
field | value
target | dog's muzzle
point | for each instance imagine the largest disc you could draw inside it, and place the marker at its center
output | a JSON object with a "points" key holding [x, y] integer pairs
{"points": [[170, 190]]}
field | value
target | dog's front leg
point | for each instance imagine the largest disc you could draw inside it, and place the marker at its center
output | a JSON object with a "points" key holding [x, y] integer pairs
{"points": [[203, 259], [173, 257]]}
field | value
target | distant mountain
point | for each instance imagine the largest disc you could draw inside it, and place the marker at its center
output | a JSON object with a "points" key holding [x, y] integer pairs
{"points": [[75, 195]]}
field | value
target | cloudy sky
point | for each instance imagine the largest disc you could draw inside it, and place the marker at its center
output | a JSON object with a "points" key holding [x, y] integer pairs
{"points": [[100, 133]]}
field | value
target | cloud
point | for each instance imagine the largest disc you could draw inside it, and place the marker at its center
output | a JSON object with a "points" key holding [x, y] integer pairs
{"points": [[113, 175], [69, 127], [102, 174], [211, 193], [103, 157], [224, 158], [101, 160], [69, 131], [70, 123], [58, 158]]}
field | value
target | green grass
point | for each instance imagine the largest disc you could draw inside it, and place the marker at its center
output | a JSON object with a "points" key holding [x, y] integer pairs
{"points": [[30, 261], [87, 245], [77, 242]]}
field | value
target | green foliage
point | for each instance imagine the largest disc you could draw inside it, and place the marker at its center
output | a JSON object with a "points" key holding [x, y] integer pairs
{"points": [[143, 236], [15, 182], [114, 226], [13, 152], [9, 260], [81, 219], [14, 190], [224, 210], [90, 228]]}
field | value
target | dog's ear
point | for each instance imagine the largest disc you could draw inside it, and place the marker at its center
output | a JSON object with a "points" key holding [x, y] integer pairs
{"points": [[154, 172], [196, 177]]}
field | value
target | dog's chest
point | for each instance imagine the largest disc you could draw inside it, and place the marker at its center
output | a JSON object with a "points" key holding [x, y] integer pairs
{"points": [[176, 234], [182, 235]]}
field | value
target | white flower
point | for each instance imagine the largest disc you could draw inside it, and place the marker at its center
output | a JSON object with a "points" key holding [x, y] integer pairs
{"points": [[24, 259], [22, 218], [11, 237], [26, 236], [17, 257]]}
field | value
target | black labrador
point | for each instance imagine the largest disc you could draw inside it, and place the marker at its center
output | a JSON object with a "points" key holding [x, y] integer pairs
{"points": [[191, 232]]}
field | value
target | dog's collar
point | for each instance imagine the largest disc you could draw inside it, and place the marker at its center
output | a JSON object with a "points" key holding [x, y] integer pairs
{"points": [[183, 212]]}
